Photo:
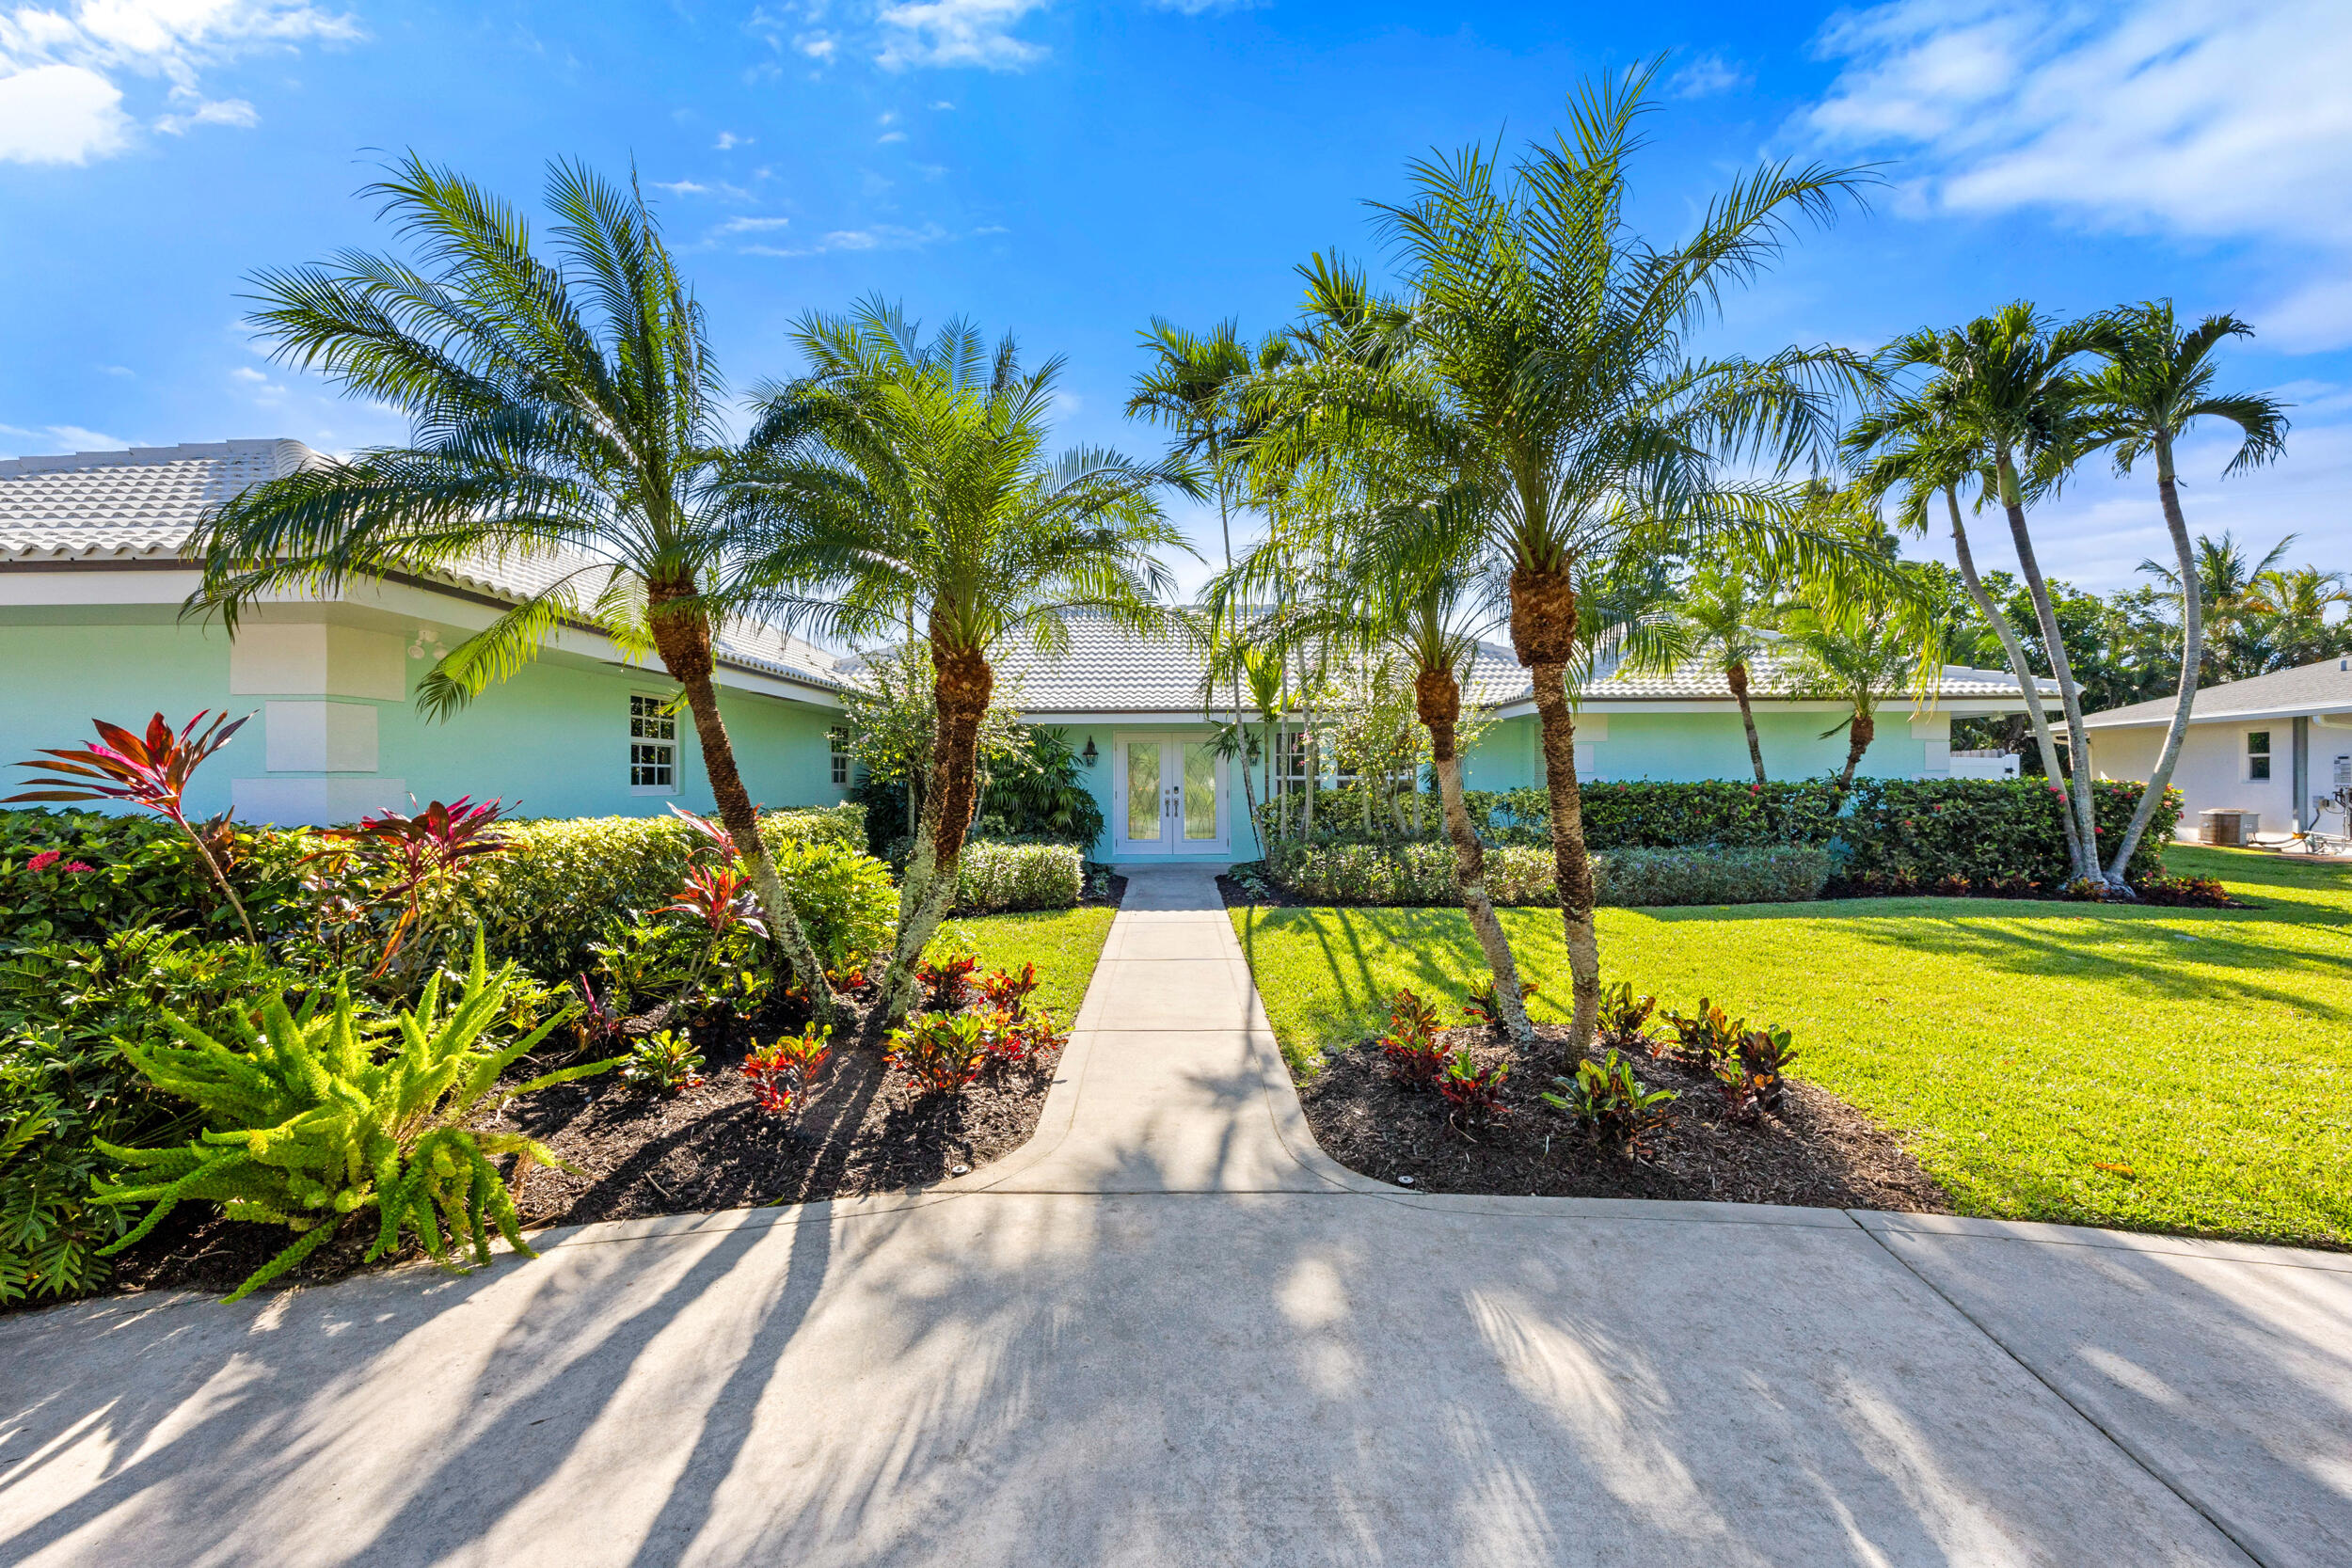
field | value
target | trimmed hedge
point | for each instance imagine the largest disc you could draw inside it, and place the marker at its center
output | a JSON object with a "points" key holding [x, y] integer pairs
{"points": [[542, 903], [1516, 874], [1996, 835], [1645, 813], [546, 900], [993, 877]]}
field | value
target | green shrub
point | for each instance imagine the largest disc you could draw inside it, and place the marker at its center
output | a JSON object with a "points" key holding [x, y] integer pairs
{"points": [[1037, 793], [1903, 834], [65, 1010], [1424, 874], [307, 1124], [546, 902], [994, 876], [1658, 813], [142, 872], [843, 896]]}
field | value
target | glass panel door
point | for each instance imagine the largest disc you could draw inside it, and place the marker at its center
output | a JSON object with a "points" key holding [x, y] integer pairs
{"points": [[1146, 812], [1200, 813]]}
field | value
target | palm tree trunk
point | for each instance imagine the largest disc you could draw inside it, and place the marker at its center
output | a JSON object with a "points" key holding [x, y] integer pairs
{"points": [[1859, 734], [2015, 648], [963, 684], [1543, 635], [683, 640], [1438, 696], [2192, 657], [1737, 673], [2070, 695]]}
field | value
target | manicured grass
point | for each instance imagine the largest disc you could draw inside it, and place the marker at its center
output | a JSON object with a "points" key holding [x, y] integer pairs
{"points": [[2154, 1070], [1063, 944]]}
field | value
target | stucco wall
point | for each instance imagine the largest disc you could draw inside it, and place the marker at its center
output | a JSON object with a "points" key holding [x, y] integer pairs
{"points": [[1689, 746], [2211, 771], [552, 740]]}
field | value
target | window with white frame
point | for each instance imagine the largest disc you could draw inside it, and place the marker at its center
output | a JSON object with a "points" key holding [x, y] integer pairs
{"points": [[652, 745], [837, 742], [2257, 753]]}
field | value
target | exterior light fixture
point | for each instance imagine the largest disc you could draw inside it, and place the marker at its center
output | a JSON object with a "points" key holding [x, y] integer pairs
{"points": [[1090, 757]]}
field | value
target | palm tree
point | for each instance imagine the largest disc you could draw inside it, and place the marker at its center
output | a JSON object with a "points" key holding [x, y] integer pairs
{"points": [[975, 540], [2158, 381], [2295, 604], [1860, 653], [1725, 611], [1553, 374], [2013, 394], [2227, 588], [565, 410], [1916, 443]]}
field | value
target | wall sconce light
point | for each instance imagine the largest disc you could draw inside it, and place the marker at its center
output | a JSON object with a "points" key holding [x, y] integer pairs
{"points": [[1090, 757]]}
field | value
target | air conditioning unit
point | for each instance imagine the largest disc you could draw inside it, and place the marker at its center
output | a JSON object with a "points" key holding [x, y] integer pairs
{"points": [[2235, 828]]}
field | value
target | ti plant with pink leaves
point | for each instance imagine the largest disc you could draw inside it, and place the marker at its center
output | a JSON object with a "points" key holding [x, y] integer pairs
{"points": [[150, 772], [406, 857]]}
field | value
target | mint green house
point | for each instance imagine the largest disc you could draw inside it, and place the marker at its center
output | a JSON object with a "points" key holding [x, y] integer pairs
{"points": [[92, 580]]}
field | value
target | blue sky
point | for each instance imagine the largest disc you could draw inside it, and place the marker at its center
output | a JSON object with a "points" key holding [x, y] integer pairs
{"points": [[1065, 171]]}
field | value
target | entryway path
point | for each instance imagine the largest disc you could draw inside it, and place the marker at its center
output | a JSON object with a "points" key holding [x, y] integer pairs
{"points": [[1169, 1331]]}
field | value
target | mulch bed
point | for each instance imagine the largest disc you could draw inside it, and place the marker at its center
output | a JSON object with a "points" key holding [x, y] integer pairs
{"points": [[1260, 893], [1818, 1151], [863, 1129]]}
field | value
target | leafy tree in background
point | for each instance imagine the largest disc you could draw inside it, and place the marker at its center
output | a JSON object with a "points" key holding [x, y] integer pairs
{"points": [[2294, 605]]}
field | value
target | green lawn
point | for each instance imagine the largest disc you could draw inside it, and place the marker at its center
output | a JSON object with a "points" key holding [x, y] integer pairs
{"points": [[2154, 1070], [1063, 944]]}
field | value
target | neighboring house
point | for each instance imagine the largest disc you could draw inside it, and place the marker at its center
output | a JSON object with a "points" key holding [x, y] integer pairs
{"points": [[93, 582], [92, 585], [2274, 744], [1134, 705]]}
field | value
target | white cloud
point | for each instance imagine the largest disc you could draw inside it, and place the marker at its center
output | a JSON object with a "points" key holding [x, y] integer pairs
{"points": [[943, 103], [1202, 7], [886, 117], [728, 141], [51, 440], [247, 375], [816, 46], [956, 32], [681, 187], [1704, 74], [220, 111], [888, 137], [124, 371], [2187, 118], [62, 74], [60, 114], [748, 226], [881, 236]]}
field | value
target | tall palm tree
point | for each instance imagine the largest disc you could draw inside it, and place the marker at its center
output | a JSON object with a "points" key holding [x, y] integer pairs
{"points": [[2158, 381], [1726, 611], [1195, 384], [1556, 377], [565, 410], [1915, 442], [975, 540], [2012, 390]]}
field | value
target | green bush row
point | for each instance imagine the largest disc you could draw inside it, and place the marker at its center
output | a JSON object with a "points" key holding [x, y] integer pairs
{"points": [[992, 877], [1989, 831], [1517, 875]]}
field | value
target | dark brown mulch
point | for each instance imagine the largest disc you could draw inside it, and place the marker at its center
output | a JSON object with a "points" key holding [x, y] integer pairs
{"points": [[1818, 1151], [1260, 893], [864, 1130], [1113, 896]]}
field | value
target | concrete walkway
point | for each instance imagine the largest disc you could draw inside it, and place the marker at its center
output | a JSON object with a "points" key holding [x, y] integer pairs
{"points": [[1169, 1331]]}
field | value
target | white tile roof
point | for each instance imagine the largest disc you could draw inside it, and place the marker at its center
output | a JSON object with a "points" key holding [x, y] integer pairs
{"points": [[1107, 670], [112, 506]]}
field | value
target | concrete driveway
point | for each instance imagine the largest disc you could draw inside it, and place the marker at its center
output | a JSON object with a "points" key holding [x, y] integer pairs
{"points": [[1169, 1331]]}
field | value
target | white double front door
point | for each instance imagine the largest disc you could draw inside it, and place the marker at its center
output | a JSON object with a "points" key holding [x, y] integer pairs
{"points": [[1168, 797]]}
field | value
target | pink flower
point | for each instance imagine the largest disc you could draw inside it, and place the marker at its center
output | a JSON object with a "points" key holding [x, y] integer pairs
{"points": [[44, 860], [79, 866]]}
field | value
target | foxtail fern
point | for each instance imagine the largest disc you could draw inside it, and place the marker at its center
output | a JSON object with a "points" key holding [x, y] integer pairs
{"points": [[309, 1119]]}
